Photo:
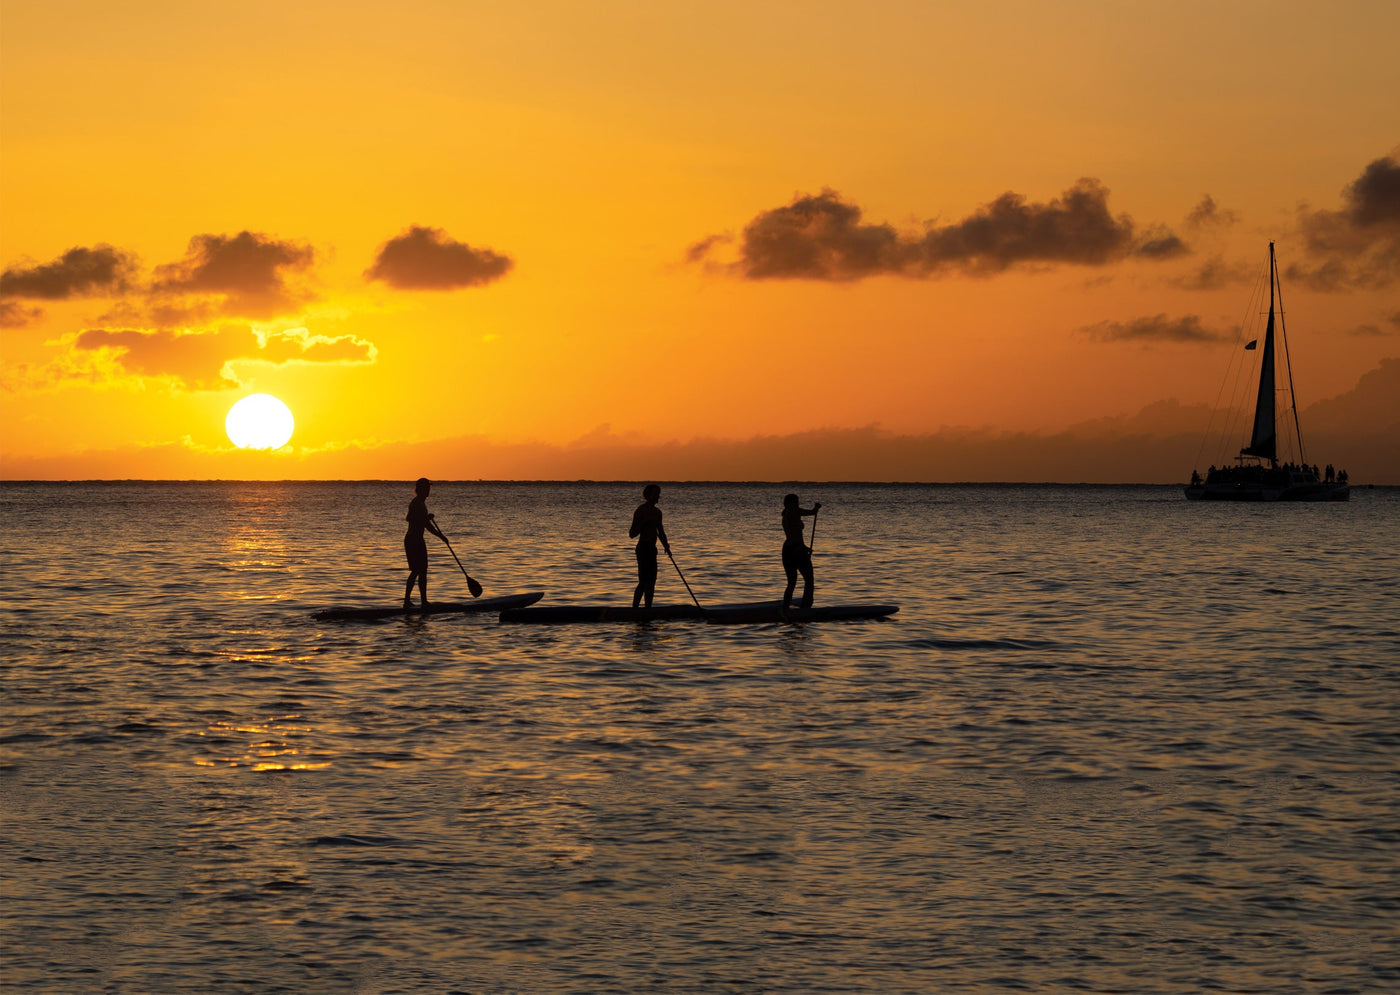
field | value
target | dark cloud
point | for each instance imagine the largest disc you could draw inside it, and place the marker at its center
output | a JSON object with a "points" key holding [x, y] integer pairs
{"points": [[1373, 200], [1390, 326], [79, 272], [1075, 227], [1215, 273], [428, 259], [13, 314], [1209, 214], [823, 237], [701, 249], [162, 310], [818, 238], [199, 360], [248, 270], [1160, 242], [1156, 328], [1357, 247]]}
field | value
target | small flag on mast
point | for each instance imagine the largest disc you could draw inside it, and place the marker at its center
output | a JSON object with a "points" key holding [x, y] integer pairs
{"points": [[1253, 343]]}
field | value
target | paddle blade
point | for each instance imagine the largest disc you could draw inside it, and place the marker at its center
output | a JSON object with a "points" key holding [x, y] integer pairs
{"points": [[474, 587]]}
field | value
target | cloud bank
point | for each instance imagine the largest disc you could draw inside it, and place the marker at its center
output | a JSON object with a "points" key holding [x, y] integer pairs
{"points": [[429, 259]]}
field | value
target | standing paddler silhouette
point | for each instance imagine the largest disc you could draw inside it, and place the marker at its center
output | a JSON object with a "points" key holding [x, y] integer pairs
{"points": [[415, 547]]}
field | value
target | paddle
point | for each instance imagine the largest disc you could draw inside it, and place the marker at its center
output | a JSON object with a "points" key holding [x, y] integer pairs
{"points": [[472, 584], [813, 540], [683, 580]]}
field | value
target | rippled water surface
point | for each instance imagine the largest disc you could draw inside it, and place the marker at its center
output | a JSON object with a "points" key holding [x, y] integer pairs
{"points": [[1113, 741]]}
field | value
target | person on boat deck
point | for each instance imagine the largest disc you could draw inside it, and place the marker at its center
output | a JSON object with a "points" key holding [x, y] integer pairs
{"points": [[414, 547], [646, 529], [797, 556]]}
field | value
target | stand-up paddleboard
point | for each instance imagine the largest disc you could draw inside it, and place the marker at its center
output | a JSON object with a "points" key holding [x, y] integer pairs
{"points": [[505, 601], [567, 614], [756, 611], [775, 612]]}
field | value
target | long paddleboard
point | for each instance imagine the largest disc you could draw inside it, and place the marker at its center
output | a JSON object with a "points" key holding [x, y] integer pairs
{"points": [[757, 611], [568, 614], [771, 612], [505, 601]]}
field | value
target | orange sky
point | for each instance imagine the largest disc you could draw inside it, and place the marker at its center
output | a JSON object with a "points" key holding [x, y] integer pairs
{"points": [[1012, 241]]}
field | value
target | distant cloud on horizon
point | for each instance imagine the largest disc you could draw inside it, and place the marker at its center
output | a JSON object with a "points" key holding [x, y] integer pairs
{"points": [[423, 258], [1159, 443], [823, 237]]}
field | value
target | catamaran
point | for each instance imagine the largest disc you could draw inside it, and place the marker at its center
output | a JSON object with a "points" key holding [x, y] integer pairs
{"points": [[1257, 474]]}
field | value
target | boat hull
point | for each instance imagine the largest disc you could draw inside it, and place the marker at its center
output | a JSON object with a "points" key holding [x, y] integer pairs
{"points": [[504, 602]]}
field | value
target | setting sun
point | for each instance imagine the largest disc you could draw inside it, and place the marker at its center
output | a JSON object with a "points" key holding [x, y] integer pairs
{"points": [[259, 421]]}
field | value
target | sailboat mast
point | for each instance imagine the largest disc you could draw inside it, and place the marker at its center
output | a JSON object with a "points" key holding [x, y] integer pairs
{"points": [[1287, 359], [1263, 441]]}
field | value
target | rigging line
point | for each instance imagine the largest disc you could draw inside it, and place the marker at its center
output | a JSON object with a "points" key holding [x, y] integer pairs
{"points": [[1288, 362], [1249, 326], [1232, 414]]}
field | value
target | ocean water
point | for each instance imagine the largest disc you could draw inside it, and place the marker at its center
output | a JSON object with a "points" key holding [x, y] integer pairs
{"points": [[1113, 741]]}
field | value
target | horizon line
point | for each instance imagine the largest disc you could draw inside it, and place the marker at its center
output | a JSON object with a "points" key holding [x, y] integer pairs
{"points": [[542, 481]]}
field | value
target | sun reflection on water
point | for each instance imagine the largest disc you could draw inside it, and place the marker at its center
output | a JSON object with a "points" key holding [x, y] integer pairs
{"points": [[271, 752]]}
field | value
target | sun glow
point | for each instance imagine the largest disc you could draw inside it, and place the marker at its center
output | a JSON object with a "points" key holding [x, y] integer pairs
{"points": [[259, 421]]}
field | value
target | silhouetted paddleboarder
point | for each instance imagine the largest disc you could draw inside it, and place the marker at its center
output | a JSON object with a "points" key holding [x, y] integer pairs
{"points": [[414, 546], [797, 557], [646, 529]]}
